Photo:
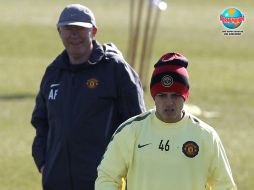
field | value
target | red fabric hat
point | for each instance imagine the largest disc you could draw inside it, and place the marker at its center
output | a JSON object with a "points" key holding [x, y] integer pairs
{"points": [[170, 75]]}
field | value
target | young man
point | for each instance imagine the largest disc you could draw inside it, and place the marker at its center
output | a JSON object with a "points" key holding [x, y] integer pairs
{"points": [[86, 92], [166, 148]]}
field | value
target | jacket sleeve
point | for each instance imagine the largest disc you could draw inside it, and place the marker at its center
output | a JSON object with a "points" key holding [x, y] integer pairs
{"points": [[130, 92], [115, 162], [40, 122], [221, 177]]}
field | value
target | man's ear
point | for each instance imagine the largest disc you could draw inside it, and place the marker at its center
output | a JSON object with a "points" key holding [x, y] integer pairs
{"points": [[58, 29], [94, 31]]}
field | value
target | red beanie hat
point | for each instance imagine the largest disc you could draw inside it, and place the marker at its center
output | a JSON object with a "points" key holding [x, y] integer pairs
{"points": [[170, 75]]}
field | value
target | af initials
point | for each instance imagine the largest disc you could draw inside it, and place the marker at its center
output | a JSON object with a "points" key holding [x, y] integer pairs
{"points": [[53, 94]]}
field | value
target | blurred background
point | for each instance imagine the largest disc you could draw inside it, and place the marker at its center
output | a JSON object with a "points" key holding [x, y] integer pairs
{"points": [[220, 68]]}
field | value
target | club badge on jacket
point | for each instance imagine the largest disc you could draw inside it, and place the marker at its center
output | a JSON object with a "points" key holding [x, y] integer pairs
{"points": [[92, 83]]}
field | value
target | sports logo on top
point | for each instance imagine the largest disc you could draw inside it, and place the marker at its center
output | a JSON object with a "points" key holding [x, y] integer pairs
{"points": [[231, 19], [92, 83], [167, 81], [190, 149]]}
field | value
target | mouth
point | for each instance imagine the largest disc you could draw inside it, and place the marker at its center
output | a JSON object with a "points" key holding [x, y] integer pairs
{"points": [[75, 44]]}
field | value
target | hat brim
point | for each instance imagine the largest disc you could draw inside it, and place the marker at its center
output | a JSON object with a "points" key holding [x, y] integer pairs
{"points": [[82, 24]]}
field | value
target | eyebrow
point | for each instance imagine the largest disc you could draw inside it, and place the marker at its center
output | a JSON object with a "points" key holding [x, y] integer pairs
{"points": [[172, 93]]}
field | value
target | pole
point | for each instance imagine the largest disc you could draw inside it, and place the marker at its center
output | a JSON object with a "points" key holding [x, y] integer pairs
{"points": [[131, 28], [134, 46], [160, 6], [146, 39]]}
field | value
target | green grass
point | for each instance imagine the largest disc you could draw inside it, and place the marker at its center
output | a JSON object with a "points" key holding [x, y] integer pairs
{"points": [[221, 70]]}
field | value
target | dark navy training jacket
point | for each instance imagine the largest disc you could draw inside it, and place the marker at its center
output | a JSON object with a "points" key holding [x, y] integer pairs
{"points": [[77, 109]]}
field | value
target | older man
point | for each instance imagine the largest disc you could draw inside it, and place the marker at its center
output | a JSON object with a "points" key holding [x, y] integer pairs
{"points": [[85, 93]]}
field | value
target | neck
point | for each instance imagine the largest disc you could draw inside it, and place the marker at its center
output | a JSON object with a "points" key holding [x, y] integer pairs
{"points": [[81, 58], [172, 119], [78, 60]]}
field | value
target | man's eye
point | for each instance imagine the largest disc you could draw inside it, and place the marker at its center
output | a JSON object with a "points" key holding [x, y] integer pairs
{"points": [[175, 95], [161, 95]]}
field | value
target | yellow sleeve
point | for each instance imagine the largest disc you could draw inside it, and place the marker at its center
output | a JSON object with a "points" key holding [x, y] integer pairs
{"points": [[114, 165], [221, 177]]}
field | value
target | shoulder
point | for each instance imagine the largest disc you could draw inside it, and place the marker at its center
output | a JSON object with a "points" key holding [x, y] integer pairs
{"points": [[53, 69], [124, 71], [60, 62], [201, 125], [114, 55], [111, 51], [132, 122]]}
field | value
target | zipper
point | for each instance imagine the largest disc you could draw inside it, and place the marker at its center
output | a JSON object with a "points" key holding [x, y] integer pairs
{"points": [[69, 113]]}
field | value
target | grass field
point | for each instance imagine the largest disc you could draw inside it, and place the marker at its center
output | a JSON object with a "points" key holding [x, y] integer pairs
{"points": [[221, 70]]}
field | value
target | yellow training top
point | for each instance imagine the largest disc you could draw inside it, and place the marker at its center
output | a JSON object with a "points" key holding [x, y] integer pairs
{"points": [[153, 155]]}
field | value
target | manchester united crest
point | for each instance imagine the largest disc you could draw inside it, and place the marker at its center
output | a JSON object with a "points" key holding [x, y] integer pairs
{"points": [[167, 81], [190, 149], [92, 83]]}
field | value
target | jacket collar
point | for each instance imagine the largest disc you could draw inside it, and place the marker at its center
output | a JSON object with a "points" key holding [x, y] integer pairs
{"points": [[62, 61]]}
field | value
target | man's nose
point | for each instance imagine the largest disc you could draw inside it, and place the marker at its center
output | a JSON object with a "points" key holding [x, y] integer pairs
{"points": [[168, 100], [74, 32]]}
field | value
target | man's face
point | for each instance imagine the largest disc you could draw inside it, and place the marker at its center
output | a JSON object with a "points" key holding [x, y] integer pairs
{"points": [[169, 106], [76, 39]]}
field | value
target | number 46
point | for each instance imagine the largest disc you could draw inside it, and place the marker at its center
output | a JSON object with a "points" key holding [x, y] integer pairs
{"points": [[164, 146]]}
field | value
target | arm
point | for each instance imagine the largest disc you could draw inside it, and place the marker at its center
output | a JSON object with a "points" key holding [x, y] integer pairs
{"points": [[40, 123], [221, 176], [115, 162], [131, 98]]}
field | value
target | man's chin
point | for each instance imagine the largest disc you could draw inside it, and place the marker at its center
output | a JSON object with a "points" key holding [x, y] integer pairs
{"points": [[169, 117]]}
